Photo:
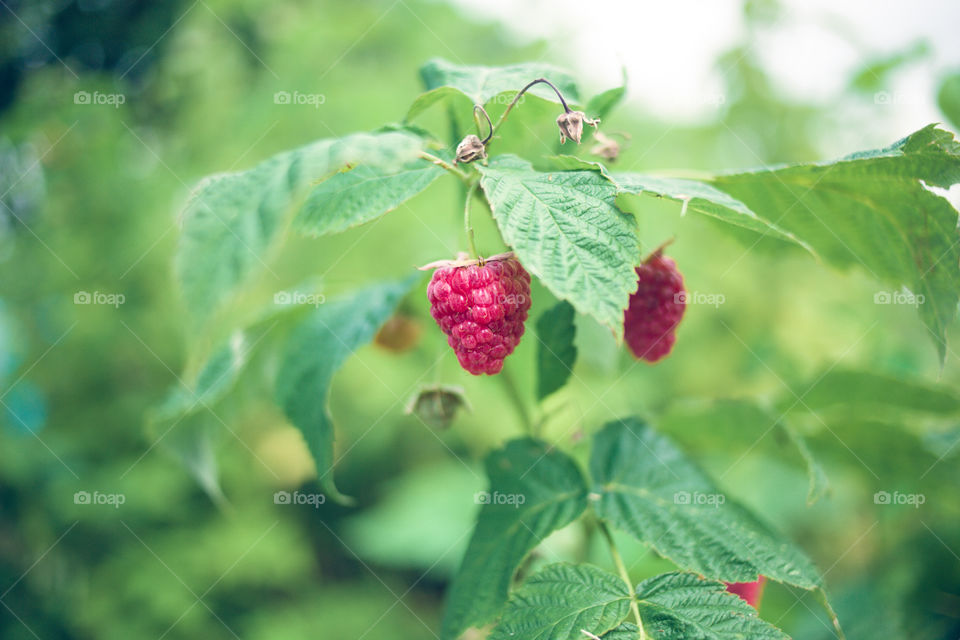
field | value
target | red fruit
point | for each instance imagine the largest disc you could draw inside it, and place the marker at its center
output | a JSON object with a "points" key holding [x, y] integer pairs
{"points": [[481, 307], [749, 591], [655, 309]]}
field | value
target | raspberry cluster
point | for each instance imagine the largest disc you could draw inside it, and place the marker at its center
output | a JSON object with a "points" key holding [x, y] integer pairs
{"points": [[481, 307], [655, 309]]}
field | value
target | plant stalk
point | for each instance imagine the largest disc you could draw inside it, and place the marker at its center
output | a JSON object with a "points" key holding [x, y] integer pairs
{"points": [[622, 570], [445, 165], [467, 227]]}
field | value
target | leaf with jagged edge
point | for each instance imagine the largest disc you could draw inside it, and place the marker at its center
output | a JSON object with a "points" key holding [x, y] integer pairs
{"points": [[566, 231], [562, 601], [534, 490], [685, 606], [644, 485], [233, 220], [870, 209]]}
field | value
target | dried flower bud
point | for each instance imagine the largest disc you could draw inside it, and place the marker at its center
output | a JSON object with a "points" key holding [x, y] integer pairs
{"points": [[571, 125], [469, 149], [606, 148], [438, 405]]}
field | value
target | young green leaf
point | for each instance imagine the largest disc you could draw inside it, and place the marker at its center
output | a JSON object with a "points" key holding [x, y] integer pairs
{"points": [[684, 606], [556, 351], [647, 487], [480, 84], [315, 350], [561, 602], [360, 194], [232, 220], [534, 490], [566, 231]]}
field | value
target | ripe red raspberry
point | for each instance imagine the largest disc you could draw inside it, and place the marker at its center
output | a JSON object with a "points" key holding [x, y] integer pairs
{"points": [[655, 309], [481, 307], [752, 592]]}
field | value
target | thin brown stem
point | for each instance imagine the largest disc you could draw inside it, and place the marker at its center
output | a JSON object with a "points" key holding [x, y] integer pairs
{"points": [[520, 93]]}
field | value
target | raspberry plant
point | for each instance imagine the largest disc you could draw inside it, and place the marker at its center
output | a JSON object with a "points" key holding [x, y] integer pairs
{"points": [[570, 224]]}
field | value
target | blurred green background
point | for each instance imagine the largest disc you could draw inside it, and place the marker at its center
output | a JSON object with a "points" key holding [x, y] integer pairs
{"points": [[198, 548]]}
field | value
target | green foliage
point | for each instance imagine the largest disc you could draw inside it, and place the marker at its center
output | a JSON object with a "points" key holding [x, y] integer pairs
{"points": [[567, 232], [316, 348], [360, 194], [646, 486], [556, 352], [683, 606], [233, 220], [868, 210], [534, 490], [562, 601], [481, 84]]}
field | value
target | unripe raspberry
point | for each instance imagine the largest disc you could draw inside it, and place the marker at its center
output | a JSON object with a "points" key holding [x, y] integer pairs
{"points": [[655, 309], [481, 307], [752, 592]]}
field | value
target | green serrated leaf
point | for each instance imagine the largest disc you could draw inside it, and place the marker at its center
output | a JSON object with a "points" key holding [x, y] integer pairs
{"points": [[685, 606], [626, 631], [358, 195], [315, 350], [869, 209], [481, 84], [647, 487], [232, 220], [556, 352], [561, 602], [534, 490], [566, 231]]}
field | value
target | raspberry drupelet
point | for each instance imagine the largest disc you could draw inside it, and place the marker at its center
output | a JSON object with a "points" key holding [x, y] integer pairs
{"points": [[481, 307]]}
